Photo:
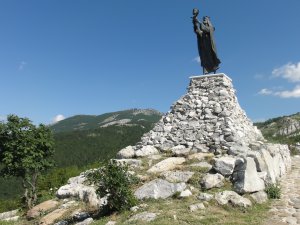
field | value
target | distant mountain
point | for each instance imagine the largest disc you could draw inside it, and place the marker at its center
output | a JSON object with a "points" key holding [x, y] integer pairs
{"points": [[83, 139], [131, 117], [284, 129]]}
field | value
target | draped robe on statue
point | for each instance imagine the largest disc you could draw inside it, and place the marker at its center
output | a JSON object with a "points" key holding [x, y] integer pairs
{"points": [[206, 46]]}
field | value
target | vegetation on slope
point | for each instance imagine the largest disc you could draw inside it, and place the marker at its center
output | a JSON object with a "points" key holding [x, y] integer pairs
{"points": [[78, 150], [280, 130]]}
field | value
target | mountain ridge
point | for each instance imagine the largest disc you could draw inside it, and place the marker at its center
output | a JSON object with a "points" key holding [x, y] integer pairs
{"points": [[129, 117]]}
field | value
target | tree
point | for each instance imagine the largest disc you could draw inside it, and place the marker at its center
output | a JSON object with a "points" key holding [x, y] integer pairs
{"points": [[25, 152], [114, 181]]}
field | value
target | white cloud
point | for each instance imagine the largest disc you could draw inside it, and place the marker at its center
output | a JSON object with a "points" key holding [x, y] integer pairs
{"points": [[58, 118], [265, 91], [22, 65], [289, 71], [295, 93], [197, 59]]}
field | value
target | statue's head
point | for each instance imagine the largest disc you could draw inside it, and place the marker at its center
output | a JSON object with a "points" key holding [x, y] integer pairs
{"points": [[195, 12]]}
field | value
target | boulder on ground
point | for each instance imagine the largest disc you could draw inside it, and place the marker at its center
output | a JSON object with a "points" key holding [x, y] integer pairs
{"points": [[146, 150], [126, 153], [158, 188], [212, 180], [205, 197], [129, 162], [233, 198], [180, 150], [224, 165], [186, 193], [245, 176], [195, 207], [53, 216], [167, 164], [144, 216], [177, 176], [41, 208], [259, 197], [9, 214]]}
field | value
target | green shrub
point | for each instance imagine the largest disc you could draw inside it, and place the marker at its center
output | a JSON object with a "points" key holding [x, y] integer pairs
{"points": [[273, 191], [114, 181]]}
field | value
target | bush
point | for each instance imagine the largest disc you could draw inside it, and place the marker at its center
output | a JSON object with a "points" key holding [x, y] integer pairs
{"points": [[273, 191], [114, 181]]}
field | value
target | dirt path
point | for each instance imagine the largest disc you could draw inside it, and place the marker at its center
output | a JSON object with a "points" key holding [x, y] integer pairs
{"points": [[287, 209]]}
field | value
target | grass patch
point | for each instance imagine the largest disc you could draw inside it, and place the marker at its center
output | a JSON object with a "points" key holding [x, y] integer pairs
{"points": [[176, 212]]}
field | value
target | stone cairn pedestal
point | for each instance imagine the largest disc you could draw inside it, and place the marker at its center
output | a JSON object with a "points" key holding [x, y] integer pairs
{"points": [[207, 118], [206, 125]]}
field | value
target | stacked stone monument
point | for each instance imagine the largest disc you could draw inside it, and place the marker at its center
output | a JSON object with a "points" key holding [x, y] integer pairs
{"points": [[206, 125], [207, 118]]}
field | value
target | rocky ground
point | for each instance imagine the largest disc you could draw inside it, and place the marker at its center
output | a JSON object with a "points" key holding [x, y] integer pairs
{"points": [[203, 163], [287, 209]]}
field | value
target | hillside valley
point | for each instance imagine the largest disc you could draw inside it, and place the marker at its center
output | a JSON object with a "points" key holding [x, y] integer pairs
{"points": [[82, 141]]}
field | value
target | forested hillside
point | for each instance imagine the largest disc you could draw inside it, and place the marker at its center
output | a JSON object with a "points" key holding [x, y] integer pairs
{"points": [[78, 149]]}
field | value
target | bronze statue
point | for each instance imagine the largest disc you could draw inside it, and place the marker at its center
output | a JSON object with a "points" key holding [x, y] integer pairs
{"points": [[206, 44]]}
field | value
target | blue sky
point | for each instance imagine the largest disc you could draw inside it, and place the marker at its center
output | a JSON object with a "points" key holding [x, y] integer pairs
{"points": [[69, 57]]}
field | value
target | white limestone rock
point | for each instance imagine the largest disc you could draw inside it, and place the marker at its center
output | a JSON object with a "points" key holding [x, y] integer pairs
{"points": [[270, 167], [166, 164], [146, 151], [144, 216], [180, 150], [246, 179], [158, 188], [196, 207], [186, 193], [212, 181], [130, 162], [233, 198], [205, 197], [126, 153], [8, 214], [77, 189], [224, 165], [85, 222], [177, 176], [259, 197]]}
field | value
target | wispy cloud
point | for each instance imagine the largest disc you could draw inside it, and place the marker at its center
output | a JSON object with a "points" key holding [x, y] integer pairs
{"points": [[265, 91], [295, 93], [197, 59], [289, 71], [58, 118], [22, 65]]}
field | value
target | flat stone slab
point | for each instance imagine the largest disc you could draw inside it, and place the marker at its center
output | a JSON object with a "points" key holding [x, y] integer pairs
{"points": [[167, 164], [177, 176], [53, 216], [41, 208], [144, 216], [158, 188], [226, 197]]}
